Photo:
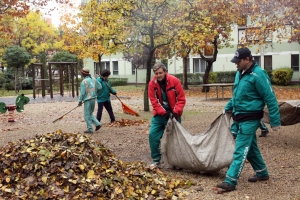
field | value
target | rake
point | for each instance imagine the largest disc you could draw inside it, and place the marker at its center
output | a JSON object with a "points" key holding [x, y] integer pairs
{"points": [[126, 109]]}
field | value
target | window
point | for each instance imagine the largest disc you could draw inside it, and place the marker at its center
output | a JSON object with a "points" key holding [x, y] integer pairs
{"points": [[188, 65], [199, 65], [295, 62], [268, 63], [257, 59], [115, 67], [96, 68], [105, 65], [242, 36]]}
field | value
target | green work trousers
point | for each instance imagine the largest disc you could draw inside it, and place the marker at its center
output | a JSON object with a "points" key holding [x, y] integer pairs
{"points": [[157, 128], [234, 128], [90, 119], [246, 149]]}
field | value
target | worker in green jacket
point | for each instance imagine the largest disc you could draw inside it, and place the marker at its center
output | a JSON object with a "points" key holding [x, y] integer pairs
{"points": [[103, 97], [89, 88], [252, 90]]}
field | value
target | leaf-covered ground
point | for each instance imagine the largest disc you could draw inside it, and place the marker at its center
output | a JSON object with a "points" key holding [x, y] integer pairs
{"points": [[128, 140]]}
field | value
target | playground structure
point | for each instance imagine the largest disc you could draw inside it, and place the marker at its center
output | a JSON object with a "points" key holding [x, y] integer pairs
{"points": [[58, 74], [21, 100]]}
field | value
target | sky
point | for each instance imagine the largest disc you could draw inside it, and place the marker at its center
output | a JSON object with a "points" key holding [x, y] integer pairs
{"points": [[56, 13]]}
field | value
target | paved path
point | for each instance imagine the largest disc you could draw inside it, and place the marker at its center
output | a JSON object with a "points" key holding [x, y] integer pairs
{"points": [[56, 98]]}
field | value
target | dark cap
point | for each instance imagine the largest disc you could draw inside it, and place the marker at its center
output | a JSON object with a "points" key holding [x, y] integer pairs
{"points": [[241, 53]]}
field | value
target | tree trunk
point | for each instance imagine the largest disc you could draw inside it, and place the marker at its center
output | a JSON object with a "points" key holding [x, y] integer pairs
{"points": [[16, 74], [135, 68], [185, 81], [206, 77], [99, 60], [148, 77]]}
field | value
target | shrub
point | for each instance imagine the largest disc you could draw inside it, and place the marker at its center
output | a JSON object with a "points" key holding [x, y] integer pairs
{"points": [[213, 77], [282, 76], [2, 80], [118, 81], [225, 77], [27, 84], [192, 78], [8, 86]]}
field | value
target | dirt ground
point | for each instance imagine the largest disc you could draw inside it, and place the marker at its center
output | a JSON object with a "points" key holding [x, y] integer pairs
{"points": [[281, 150]]}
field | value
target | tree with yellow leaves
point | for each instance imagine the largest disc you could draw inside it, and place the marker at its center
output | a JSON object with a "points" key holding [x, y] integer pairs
{"points": [[207, 28], [110, 26], [35, 35]]}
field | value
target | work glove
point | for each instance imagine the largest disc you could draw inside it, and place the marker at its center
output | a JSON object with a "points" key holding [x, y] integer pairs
{"points": [[226, 111], [167, 115], [114, 93], [175, 115], [275, 128], [80, 104]]}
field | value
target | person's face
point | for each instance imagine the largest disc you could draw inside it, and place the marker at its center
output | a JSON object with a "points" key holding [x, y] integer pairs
{"points": [[243, 64], [160, 74]]}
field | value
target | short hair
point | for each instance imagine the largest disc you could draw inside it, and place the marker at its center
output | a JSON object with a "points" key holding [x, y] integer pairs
{"points": [[159, 65], [105, 73]]}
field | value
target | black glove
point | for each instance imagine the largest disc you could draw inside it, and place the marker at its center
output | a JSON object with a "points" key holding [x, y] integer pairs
{"points": [[167, 115], [176, 116], [114, 93], [80, 103]]}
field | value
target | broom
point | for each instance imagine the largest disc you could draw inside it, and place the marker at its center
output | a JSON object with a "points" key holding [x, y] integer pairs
{"points": [[126, 109]]}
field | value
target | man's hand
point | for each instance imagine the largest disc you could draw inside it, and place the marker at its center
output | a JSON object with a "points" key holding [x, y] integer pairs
{"points": [[226, 111], [176, 116], [80, 104], [114, 93], [167, 115], [275, 128]]}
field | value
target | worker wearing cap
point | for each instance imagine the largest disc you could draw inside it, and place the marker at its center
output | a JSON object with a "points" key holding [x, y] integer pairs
{"points": [[89, 88], [166, 96], [252, 90]]}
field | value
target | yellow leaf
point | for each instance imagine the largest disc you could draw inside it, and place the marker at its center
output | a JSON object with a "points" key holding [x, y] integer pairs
{"points": [[44, 179], [7, 180], [81, 167], [240, 2], [91, 174]]}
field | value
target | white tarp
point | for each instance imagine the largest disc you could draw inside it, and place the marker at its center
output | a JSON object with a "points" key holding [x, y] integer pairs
{"points": [[202, 152]]}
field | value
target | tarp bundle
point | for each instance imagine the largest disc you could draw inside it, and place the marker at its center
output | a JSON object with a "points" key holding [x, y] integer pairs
{"points": [[203, 152], [289, 113]]}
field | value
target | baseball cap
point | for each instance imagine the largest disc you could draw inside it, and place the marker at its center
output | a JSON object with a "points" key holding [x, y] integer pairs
{"points": [[241, 53]]}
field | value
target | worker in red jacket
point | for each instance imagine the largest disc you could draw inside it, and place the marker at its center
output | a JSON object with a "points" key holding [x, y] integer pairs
{"points": [[168, 99]]}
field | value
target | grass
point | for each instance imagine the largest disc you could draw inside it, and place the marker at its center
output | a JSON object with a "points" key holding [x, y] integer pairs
{"points": [[125, 88], [13, 93]]}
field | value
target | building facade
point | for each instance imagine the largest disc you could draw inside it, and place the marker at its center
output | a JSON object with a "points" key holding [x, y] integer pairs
{"points": [[270, 56]]}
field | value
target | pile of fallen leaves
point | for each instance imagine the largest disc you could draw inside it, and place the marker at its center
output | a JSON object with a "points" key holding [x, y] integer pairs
{"points": [[72, 166], [127, 122]]}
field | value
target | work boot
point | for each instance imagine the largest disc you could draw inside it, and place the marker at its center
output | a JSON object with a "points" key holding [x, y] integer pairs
{"points": [[255, 178], [98, 127], [264, 133], [87, 131], [154, 165], [226, 186]]}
